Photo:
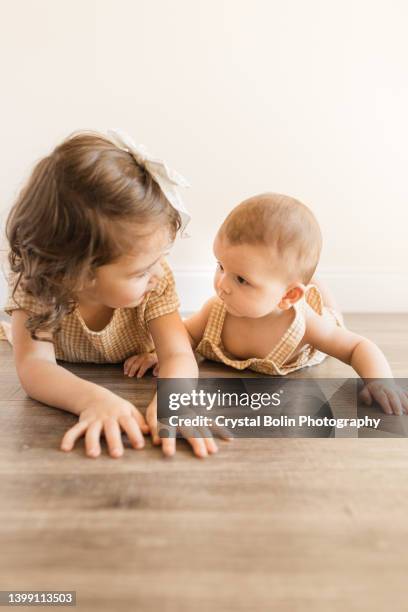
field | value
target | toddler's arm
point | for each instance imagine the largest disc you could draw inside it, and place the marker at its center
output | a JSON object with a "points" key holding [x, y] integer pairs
{"points": [[195, 326], [99, 410], [363, 355], [176, 360]]}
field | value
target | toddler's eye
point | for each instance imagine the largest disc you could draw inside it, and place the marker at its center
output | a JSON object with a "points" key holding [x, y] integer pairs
{"points": [[241, 280], [219, 266]]}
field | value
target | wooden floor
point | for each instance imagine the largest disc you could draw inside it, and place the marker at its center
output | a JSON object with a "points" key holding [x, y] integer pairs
{"points": [[278, 524]]}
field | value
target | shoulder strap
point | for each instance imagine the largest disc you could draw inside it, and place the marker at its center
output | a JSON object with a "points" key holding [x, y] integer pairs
{"points": [[213, 329], [291, 338], [314, 298]]}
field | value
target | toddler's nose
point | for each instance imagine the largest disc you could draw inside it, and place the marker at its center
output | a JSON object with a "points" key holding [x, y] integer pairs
{"points": [[157, 271]]}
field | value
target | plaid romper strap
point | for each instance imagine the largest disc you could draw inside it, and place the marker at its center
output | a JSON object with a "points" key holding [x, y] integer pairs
{"points": [[213, 329], [293, 336]]}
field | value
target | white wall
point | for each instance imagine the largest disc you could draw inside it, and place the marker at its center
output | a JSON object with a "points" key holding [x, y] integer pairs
{"points": [[305, 97]]}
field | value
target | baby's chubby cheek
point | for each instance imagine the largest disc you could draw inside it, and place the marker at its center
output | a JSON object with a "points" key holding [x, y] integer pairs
{"points": [[260, 308]]}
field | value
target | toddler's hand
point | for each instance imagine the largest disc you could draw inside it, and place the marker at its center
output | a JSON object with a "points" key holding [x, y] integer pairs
{"points": [[392, 399], [201, 446], [140, 364], [107, 414]]}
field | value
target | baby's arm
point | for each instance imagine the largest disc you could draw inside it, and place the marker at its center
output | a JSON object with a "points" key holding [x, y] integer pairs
{"points": [[195, 325], [99, 410], [363, 355]]}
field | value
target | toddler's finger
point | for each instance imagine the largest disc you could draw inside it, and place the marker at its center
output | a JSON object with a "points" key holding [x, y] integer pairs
{"points": [[92, 436], [113, 437], [209, 441], [132, 430], [134, 367], [199, 446], [222, 432], [168, 446], [127, 365], [73, 434], [145, 365], [211, 445], [140, 420], [156, 439]]}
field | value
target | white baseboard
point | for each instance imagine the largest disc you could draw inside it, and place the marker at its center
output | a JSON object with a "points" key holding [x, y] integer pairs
{"points": [[355, 291]]}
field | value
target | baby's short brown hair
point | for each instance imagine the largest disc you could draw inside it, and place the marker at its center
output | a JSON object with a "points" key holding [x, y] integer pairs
{"points": [[282, 223]]}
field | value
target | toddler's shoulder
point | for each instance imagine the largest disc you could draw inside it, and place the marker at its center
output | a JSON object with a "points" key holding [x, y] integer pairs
{"points": [[163, 299], [19, 299]]}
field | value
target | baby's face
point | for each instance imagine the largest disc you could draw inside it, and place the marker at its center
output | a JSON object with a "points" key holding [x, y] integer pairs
{"points": [[249, 279], [125, 282]]}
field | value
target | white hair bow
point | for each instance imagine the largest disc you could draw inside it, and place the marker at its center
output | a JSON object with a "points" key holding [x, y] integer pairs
{"points": [[165, 177]]}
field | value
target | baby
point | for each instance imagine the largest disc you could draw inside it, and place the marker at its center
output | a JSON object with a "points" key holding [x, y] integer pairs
{"points": [[267, 315]]}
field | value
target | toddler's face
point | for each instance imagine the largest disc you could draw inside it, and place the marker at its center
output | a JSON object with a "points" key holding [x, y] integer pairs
{"points": [[124, 283], [248, 279]]}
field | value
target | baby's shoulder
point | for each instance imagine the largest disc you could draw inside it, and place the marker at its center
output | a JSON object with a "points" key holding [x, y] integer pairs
{"points": [[207, 308]]}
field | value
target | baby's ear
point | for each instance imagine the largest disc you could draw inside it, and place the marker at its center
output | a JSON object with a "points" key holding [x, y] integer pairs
{"points": [[293, 294]]}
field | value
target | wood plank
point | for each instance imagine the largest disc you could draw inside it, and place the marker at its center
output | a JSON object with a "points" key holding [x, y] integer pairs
{"points": [[285, 524]]}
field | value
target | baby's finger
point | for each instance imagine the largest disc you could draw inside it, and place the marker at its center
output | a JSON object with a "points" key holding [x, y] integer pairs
{"points": [[394, 400], [156, 370], [382, 399], [132, 430], [404, 401], [73, 434], [365, 396], [113, 437], [92, 435]]}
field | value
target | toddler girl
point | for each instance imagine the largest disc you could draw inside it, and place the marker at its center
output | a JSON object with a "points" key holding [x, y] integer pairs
{"points": [[89, 283]]}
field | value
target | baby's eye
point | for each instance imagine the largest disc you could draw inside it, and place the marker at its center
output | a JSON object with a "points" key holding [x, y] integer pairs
{"points": [[241, 280], [219, 266]]}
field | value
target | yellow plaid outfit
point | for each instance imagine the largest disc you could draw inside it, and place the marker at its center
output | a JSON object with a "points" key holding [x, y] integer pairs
{"points": [[278, 361], [126, 334]]}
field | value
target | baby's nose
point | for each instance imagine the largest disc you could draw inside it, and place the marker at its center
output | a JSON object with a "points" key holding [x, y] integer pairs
{"points": [[223, 284]]}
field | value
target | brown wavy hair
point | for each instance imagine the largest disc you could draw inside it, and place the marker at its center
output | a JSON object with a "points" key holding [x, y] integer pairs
{"points": [[82, 207]]}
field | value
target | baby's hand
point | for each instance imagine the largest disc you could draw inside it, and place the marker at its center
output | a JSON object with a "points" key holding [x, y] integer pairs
{"points": [[107, 414], [392, 399], [140, 364]]}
